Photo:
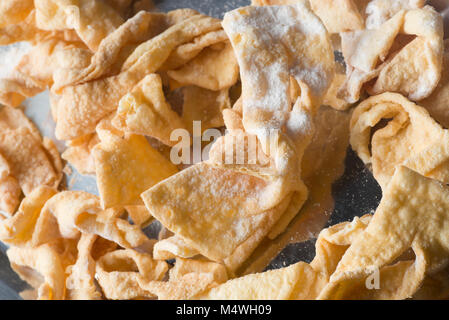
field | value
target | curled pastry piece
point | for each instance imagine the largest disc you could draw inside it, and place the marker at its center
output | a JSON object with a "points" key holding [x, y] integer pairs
{"points": [[190, 50], [145, 111], [213, 69], [127, 165], [18, 230], [139, 215], [34, 72], [16, 146], [45, 217], [173, 247], [234, 203], [187, 279], [204, 105], [80, 284], [206, 205], [337, 15], [14, 11], [92, 20], [79, 153], [412, 214], [409, 132], [267, 104], [114, 229], [10, 190], [42, 268], [278, 284], [437, 102], [113, 50], [121, 274], [397, 56], [299, 281], [323, 164], [379, 11], [98, 98], [264, 50]]}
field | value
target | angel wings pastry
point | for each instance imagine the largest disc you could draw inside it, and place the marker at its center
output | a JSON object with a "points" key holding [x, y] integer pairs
{"points": [[217, 147]]}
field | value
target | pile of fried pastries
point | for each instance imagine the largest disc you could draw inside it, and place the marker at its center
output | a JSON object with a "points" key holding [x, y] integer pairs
{"points": [[123, 77]]}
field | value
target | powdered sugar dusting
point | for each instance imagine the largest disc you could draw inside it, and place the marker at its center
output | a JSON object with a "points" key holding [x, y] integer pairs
{"points": [[10, 56]]}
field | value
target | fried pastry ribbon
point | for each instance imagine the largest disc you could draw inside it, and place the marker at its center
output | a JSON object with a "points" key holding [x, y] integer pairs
{"points": [[187, 279], [411, 215], [221, 210], [410, 137], [27, 161], [139, 48], [397, 56]]}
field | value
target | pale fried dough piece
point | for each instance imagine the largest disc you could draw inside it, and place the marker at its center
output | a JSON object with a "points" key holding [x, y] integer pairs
{"points": [[409, 132], [337, 15], [80, 283], [212, 69], [68, 214], [79, 153], [265, 51], [18, 230], [226, 206], [267, 103], [42, 268], [145, 111], [121, 274], [14, 11], [301, 280], [92, 20], [411, 56], [10, 193], [188, 278], [188, 51], [271, 285], [322, 165], [412, 214], [180, 33], [31, 172], [379, 11], [81, 107], [126, 166], [205, 106], [113, 50], [414, 71], [34, 72], [173, 247], [437, 102]]}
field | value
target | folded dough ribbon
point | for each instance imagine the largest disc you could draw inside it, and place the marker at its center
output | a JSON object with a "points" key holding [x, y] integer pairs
{"points": [[412, 214], [42, 268], [34, 72], [298, 281], [397, 56], [113, 49], [410, 137], [28, 160], [127, 165], [80, 107], [225, 211], [121, 274], [92, 20], [187, 279]]}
